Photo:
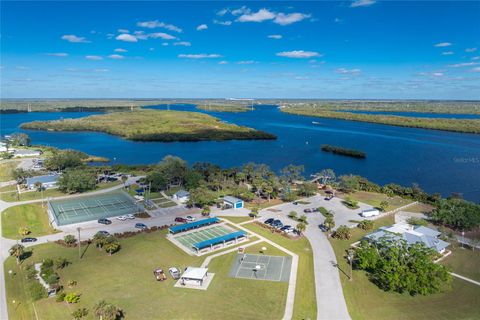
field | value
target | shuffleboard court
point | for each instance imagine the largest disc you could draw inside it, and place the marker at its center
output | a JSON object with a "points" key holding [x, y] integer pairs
{"points": [[190, 239], [86, 208], [261, 267]]}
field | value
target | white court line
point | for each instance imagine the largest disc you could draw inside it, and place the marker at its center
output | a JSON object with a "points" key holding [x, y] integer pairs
{"points": [[281, 269]]}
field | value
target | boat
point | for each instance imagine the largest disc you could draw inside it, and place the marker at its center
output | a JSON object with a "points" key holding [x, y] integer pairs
{"points": [[315, 122]]}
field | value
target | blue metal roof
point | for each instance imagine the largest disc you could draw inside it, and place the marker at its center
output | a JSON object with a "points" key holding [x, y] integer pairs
{"points": [[227, 237], [43, 179], [192, 225]]}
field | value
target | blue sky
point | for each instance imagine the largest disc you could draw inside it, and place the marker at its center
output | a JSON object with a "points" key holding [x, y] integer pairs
{"points": [[314, 49]]}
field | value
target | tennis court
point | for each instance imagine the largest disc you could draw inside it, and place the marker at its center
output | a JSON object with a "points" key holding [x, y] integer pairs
{"points": [[190, 239], [261, 267], [87, 208]]}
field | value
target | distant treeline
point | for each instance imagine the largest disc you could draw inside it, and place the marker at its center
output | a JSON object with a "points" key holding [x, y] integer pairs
{"points": [[343, 151]]}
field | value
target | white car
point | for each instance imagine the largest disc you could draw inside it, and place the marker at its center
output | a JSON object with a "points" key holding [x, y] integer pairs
{"points": [[122, 218], [190, 218], [130, 216]]}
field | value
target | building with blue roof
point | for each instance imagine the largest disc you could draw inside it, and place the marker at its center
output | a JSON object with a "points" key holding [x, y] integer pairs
{"points": [[411, 234], [47, 181], [219, 240], [193, 225]]}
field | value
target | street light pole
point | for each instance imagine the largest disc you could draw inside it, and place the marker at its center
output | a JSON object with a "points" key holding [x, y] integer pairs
{"points": [[350, 254], [79, 244]]}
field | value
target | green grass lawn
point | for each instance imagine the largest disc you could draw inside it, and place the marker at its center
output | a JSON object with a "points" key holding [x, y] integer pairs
{"points": [[305, 306], [6, 170], [374, 199], [367, 301], [420, 208], [236, 219], [33, 216], [8, 188], [126, 280], [464, 262]]}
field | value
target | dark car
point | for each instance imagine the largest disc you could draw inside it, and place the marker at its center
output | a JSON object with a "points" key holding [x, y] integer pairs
{"points": [[104, 233], [277, 224], [141, 226], [104, 221], [269, 221], [285, 227], [328, 198], [29, 239], [323, 227], [180, 219], [308, 210], [295, 202]]}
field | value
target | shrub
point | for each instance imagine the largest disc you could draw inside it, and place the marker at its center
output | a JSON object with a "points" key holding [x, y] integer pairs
{"points": [[30, 272], [52, 279], [383, 205], [79, 313], [303, 218], [350, 203], [325, 212], [61, 263], [366, 225], [342, 233], [60, 297], [292, 215], [36, 291], [71, 283], [69, 240], [47, 263], [72, 297], [23, 231]]}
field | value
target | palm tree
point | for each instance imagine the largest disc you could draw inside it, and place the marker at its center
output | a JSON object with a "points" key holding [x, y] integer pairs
{"points": [[99, 240], [329, 223], [39, 186], [206, 210], [124, 179], [107, 311], [17, 251], [301, 227], [111, 245]]}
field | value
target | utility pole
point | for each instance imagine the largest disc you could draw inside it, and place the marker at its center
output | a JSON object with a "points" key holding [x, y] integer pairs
{"points": [[79, 245], [350, 254]]}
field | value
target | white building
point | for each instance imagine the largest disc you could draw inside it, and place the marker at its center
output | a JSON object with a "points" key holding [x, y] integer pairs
{"points": [[194, 276], [181, 196], [48, 181], [21, 153]]}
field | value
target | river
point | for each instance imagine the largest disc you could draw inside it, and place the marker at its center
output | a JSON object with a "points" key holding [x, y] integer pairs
{"points": [[438, 161]]}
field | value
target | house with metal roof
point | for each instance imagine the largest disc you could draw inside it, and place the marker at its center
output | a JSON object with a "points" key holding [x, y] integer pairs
{"points": [[411, 234], [232, 202], [181, 196], [47, 181]]}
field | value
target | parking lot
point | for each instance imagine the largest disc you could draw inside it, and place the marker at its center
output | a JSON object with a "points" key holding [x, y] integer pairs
{"points": [[342, 215]]}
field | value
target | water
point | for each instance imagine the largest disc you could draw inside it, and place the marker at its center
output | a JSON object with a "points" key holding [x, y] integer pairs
{"points": [[419, 114], [438, 161]]}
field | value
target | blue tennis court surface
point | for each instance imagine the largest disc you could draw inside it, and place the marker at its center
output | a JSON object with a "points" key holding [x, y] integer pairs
{"points": [[261, 267]]}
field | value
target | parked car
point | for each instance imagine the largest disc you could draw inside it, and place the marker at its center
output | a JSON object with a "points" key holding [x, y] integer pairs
{"points": [[29, 239], [277, 224], [323, 227], [130, 216], [295, 202], [104, 233], [180, 219], [287, 229], [174, 272], [141, 226], [104, 221], [308, 210], [269, 221], [122, 218], [159, 275], [190, 218]]}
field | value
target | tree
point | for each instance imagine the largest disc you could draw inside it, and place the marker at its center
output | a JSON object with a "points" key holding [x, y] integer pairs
{"points": [[206, 211], [20, 140], [326, 176], [124, 180], [17, 251], [292, 215], [254, 212], [99, 240], [303, 218], [366, 225], [173, 169], [156, 180], [457, 214], [351, 203], [72, 297], [65, 159], [79, 313], [21, 175], [292, 172], [202, 197], [61, 263], [329, 222], [308, 189], [396, 266], [107, 311], [301, 227], [349, 183], [77, 180], [111, 245], [69, 240], [23, 231], [343, 233], [384, 205]]}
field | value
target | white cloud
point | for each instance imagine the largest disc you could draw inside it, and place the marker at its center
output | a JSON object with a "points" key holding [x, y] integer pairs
{"points": [[298, 54], [470, 49], [348, 71], [259, 16], [123, 31], [93, 58], [161, 35], [165, 44], [448, 53], [182, 43], [157, 24], [57, 54], [443, 44], [222, 12], [74, 38], [116, 56], [476, 58], [477, 69], [199, 56], [101, 70], [239, 11], [464, 64], [223, 23], [126, 37], [437, 74], [247, 62], [120, 50], [362, 3], [275, 36], [202, 27], [223, 62], [286, 19]]}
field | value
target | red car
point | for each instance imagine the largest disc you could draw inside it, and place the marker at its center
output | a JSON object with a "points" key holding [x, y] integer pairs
{"points": [[180, 219]]}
